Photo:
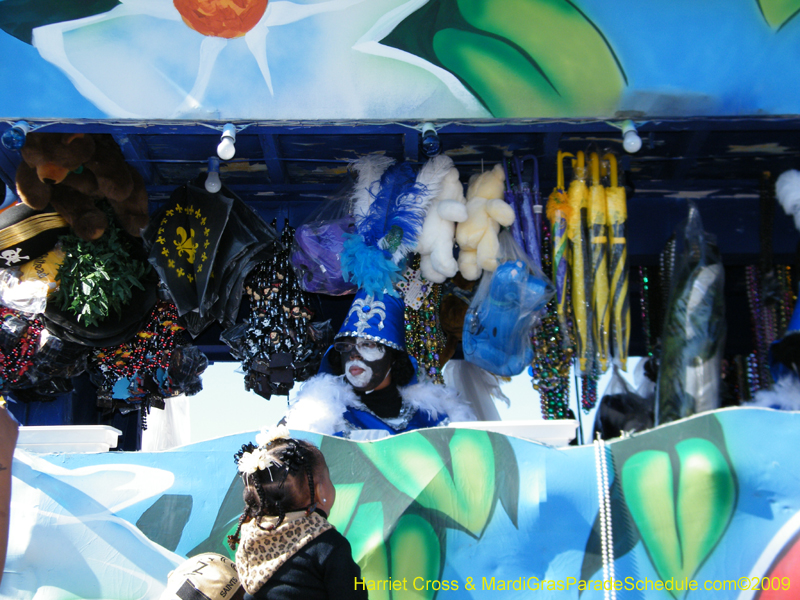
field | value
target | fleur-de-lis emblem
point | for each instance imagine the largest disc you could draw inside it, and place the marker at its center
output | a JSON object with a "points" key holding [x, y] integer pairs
{"points": [[186, 244], [364, 309]]}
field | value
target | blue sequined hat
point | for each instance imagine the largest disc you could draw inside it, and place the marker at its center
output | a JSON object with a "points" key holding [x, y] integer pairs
{"points": [[377, 320]]}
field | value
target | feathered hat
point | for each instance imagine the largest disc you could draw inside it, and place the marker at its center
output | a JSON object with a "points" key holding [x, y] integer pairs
{"points": [[389, 204]]}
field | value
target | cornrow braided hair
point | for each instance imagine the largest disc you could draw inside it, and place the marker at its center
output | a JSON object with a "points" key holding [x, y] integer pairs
{"points": [[266, 492]]}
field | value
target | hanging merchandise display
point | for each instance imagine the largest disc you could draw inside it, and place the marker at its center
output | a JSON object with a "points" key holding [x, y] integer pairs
{"points": [[599, 249], [155, 364], [559, 214], [437, 237], [694, 327], [425, 339], [581, 273], [618, 264], [34, 363], [318, 243], [106, 289], [487, 212], [504, 311], [278, 343], [526, 199], [202, 245], [552, 350]]}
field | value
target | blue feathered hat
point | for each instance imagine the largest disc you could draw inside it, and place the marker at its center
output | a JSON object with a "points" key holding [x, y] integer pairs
{"points": [[377, 320]]}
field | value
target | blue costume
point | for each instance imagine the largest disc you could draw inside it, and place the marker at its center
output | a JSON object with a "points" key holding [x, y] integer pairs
{"points": [[328, 404]]}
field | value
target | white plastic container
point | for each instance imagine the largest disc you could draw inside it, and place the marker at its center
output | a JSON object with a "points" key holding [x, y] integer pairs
{"points": [[557, 432], [68, 438]]}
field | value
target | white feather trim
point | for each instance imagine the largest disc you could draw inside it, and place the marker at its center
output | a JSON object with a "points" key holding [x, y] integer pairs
{"points": [[320, 405], [437, 400], [321, 402], [787, 191], [370, 168], [784, 395]]}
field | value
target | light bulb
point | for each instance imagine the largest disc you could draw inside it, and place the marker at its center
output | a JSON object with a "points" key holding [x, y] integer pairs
{"points": [[213, 184], [431, 146], [630, 138], [227, 145], [14, 138]]}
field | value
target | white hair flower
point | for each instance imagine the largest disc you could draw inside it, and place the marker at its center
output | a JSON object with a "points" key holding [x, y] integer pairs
{"points": [[269, 435], [249, 462]]}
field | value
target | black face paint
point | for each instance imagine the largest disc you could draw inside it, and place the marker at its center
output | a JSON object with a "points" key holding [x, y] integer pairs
{"points": [[363, 374]]}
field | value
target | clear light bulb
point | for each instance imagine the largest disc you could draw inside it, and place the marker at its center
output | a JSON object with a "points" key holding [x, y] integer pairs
{"points": [[630, 138], [213, 184], [431, 146], [14, 138], [227, 145]]}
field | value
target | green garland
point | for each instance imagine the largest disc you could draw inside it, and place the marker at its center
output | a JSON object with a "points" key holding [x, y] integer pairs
{"points": [[97, 277]]}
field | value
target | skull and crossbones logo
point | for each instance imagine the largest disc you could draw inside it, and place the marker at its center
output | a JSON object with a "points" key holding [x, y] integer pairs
{"points": [[12, 257]]}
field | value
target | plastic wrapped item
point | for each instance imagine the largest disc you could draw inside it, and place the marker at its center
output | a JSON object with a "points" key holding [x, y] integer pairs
{"points": [[318, 243], [622, 409], [694, 327], [25, 288], [504, 311]]}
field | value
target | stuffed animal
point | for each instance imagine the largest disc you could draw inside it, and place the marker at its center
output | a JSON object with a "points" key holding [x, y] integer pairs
{"points": [[487, 211], [435, 242], [498, 325], [71, 170]]}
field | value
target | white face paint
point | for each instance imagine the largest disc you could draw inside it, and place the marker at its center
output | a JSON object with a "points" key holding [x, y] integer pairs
{"points": [[370, 354], [359, 379]]}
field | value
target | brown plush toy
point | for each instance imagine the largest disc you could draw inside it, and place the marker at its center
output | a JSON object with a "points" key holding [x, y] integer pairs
{"points": [[72, 170]]}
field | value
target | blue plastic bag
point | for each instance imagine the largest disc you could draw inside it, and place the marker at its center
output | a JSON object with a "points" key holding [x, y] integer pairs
{"points": [[504, 312]]}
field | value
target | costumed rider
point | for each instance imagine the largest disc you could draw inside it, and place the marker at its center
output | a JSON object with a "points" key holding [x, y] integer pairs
{"points": [[367, 387]]}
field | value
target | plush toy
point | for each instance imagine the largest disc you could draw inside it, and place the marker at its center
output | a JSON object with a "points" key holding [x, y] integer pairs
{"points": [[498, 325], [487, 211], [435, 243], [71, 170]]}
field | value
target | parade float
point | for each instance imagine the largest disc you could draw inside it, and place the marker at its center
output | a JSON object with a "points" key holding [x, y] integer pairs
{"points": [[576, 189]]}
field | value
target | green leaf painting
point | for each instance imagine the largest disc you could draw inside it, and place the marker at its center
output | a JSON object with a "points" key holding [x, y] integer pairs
{"points": [[779, 12], [520, 58], [674, 493]]}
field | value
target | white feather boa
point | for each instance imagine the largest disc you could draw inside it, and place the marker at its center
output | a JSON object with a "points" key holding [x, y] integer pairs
{"points": [[321, 402], [784, 395]]}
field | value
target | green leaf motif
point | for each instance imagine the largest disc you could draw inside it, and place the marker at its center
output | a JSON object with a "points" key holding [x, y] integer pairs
{"points": [[779, 12], [415, 553], [680, 527], [413, 466], [369, 551], [520, 58]]}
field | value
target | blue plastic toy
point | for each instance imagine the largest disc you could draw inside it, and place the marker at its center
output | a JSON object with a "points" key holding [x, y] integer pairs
{"points": [[497, 327]]}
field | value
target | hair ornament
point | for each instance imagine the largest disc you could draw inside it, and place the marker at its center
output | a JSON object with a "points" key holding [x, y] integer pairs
{"points": [[270, 434]]}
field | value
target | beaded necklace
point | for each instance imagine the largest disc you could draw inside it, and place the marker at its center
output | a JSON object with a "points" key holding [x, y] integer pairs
{"points": [[553, 350], [425, 340]]}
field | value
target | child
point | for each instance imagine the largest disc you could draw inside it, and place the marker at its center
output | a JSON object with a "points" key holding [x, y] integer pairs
{"points": [[287, 547]]}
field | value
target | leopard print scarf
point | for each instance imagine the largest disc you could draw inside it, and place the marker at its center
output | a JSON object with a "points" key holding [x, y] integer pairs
{"points": [[261, 552]]}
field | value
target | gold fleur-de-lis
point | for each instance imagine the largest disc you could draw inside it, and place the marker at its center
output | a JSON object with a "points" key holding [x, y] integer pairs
{"points": [[198, 214], [199, 268], [178, 208], [169, 213], [203, 257], [186, 244], [203, 220], [206, 231], [165, 252], [160, 240], [180, 272], [206, 244], [189, 277], [171, 263]]}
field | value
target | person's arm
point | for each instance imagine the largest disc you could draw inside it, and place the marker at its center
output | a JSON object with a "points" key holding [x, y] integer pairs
{"points": [[342, 573], [9, 430]]}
